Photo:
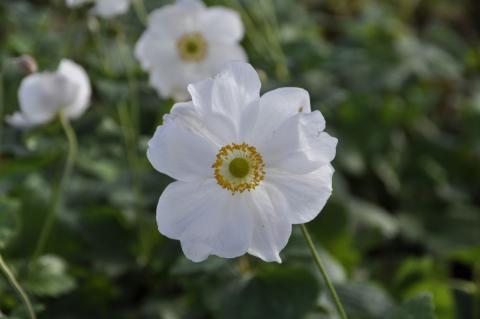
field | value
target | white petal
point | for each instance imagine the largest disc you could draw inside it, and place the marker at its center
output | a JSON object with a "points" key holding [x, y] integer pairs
{"points": [[215, 128], [42, 95], [201, 93], [299, 198], [76, 3], [219, 54], [77, 75], [299, 145], [196, 251], [271, 231], [221, 25], [154, 49], [170, 80], [176, 19], [222, 127], [205, 218], [192, 5], [234, 88], [275, 107], [235, 234], [110, 8], [20, 120], [181, 153]]}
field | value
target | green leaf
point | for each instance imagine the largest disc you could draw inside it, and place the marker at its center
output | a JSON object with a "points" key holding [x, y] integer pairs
{"points": [[364, 300], [418, 307], [274, 292], [416, 276], [375, 217], [48, 277]]}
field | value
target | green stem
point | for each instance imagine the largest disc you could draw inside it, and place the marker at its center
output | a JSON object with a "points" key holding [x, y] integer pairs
{"points": [[2, 68], [140, 11], [59, 189], [129, 123], [102, 49], [320, 266], [261, 35], [476, 294], [267, 13], [21, 293]]}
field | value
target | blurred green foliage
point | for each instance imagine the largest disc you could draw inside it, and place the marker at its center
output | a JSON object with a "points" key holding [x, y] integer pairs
{"points": [[399, 85]]}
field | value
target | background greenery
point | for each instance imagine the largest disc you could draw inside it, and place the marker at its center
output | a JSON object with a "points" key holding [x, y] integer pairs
{"points": [[399, 84]]}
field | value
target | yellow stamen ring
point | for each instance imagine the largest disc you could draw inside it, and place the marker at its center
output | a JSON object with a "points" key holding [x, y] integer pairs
{"points": [[238, 167], [192, 47]]}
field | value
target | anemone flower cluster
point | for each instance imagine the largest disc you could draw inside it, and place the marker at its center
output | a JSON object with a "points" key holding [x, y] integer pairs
{"points": [[44, 95], [186, 42], [246, 166]]}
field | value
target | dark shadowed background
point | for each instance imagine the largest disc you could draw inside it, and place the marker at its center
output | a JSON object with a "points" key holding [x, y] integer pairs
{"points": [[399, 85]]}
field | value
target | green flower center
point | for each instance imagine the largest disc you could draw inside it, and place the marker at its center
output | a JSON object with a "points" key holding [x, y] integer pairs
{"points": [[192, 47], [239, 167]]}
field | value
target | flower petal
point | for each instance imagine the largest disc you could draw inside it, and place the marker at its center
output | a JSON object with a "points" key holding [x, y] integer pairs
{"points": [[196, 251], [176, 19], [299, 145], [271, 231], [110, 8], [77, 75], [41, 95], [219, 54], [221, 25], [205, 218], [299, 198], [76, 3], [180, 153], [275, 107], [201, 93], [215, 128], [170, 79], [20, 120], [190, 5], [154, 47], [234, 88]]}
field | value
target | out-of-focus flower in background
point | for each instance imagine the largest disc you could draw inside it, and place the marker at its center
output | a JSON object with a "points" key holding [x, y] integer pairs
{"points": [[186, 42], [247, 167], [43, 95], [27, 63], [103, 8]]}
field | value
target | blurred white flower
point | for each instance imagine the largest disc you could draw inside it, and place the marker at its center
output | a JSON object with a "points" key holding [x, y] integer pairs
{"points": [[103, 8], [247, 167], [186, 42], [43, 95]]}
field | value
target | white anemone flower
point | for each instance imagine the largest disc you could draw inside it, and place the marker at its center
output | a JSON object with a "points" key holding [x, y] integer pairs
{"points": [[186, 42], [103, 8], [246, 167], [44, 95]]}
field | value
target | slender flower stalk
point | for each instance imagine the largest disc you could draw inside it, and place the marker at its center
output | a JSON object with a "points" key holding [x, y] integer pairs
{"points": [[476, 292], [21, 293], [2, 67], [129, 122], [60, 187], [318, 262], [139, 8], [266, 42]]}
